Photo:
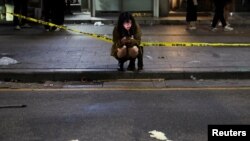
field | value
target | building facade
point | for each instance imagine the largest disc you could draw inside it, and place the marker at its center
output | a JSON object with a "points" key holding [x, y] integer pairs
{"points": [[158, 8], [151, 8]]}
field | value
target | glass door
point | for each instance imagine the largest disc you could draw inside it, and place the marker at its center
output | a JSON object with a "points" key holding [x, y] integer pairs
{"points": [[108, 5], [137, 5]]}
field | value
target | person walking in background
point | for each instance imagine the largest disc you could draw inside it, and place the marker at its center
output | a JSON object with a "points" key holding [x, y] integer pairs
{"points": [[191, 16], [227, 10], [59, 12], [20, 7], [219, 15], [126, 42], [68, 7], [53, 11]]}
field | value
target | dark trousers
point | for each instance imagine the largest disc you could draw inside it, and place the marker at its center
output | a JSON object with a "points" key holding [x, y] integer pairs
{"points": [[219, 15], [68, 9], [53, 11], [20, 7], [191, 11]]}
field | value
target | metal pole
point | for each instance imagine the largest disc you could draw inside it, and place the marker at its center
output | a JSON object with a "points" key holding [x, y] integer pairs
{"points": [[156, 8], [93, 8], [89, 5]]}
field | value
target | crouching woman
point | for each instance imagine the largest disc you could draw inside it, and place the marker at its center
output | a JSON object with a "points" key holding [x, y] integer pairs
{"points": [[126, 42]]}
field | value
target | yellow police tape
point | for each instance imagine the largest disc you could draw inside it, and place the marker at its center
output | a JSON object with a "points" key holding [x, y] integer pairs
{"points": [[161, 44]]}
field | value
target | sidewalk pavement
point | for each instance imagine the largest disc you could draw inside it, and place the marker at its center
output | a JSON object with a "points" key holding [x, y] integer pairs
{"points": [[173, 19], [65, 56]]}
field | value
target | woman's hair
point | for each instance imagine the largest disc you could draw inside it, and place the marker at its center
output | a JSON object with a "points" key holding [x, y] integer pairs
{"points": [[126, 17]]}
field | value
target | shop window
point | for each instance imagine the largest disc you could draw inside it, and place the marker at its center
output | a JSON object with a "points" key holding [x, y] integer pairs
{"points": [[112, 7], [136, 5], [180, 5], [108, 5], [242, 5], [2, 11]]}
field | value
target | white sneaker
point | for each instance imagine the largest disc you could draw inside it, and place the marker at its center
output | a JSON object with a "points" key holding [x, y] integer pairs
{"points": [[57, 29], [220, 24], [26, 26], [192, 28], [228, 28], [17, 27], [214, 29]]}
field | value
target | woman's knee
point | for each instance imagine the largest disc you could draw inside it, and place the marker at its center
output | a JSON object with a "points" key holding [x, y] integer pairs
{"points": [[121, 52], [133, 52]]}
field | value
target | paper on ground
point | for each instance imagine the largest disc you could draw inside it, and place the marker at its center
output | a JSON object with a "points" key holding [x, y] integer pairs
{"points": [[158, 135], [98, 24], [7, 61]]}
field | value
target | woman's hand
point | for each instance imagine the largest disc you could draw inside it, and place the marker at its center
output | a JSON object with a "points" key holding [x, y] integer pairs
{"points": [[126, 40], [123, 40], [129, 42]]}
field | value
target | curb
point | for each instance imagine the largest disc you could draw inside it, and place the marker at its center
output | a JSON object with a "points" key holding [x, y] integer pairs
{"points": [[41, 75], [146, 22], [154, 22]]}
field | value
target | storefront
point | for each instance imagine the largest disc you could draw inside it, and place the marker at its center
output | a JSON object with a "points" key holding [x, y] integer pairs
{"points": [[155, 8], [180, 5], [241, 5], [99, 8], [158, 8], [34, 9], [110, 7]]}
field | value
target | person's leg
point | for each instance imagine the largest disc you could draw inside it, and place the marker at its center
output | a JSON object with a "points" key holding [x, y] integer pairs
{"points": [[191, 15], [216, 17], [133, 53], [47, 12], [24, 10], [131, 65], [227, 11], [140, 58], [68, 8], [121, 57], [17, 8], [54, 14], [60, 12], [223, 21], [221, 16], [188, 13], [122, 52], [121, 62], [193, 23]]}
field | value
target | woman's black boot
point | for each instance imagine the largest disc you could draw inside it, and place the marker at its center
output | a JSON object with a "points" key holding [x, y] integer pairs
{"points": [[140, 59], [120, 65], [131, 66]]}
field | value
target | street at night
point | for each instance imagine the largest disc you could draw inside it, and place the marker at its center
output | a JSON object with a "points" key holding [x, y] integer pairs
{"points": [[123, 70], [122, 110]]}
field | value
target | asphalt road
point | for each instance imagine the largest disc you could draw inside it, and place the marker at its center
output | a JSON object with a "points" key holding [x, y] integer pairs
{"points": [[119, 114]]}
